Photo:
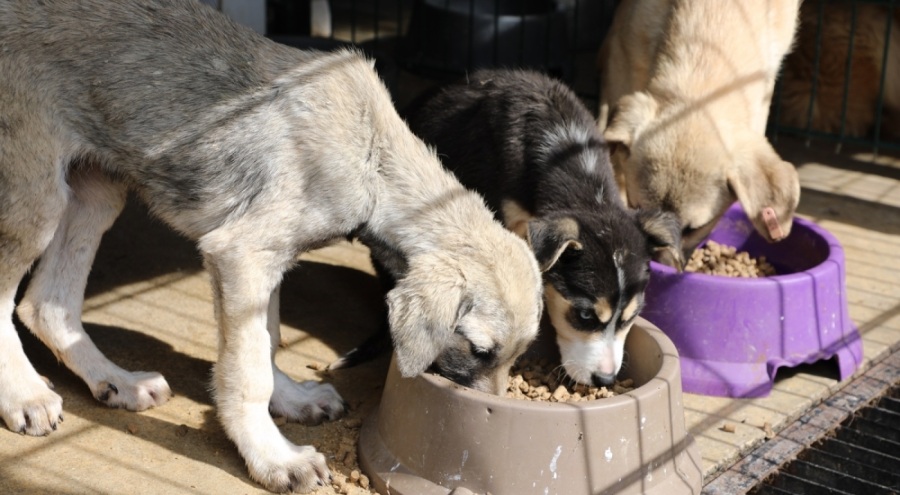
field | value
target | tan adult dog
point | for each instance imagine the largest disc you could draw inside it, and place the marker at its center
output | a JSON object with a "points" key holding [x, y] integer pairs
{"points": [[685, 93], [258, 152]]}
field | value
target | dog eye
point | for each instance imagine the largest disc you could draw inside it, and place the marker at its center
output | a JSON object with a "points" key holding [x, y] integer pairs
{"points": [[585, 315], [481, 354]]}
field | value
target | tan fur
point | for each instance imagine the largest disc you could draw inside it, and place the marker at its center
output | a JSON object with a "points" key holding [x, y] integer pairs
{"points": [[630, 309], [516, 218], [603, 310], [685, 93], [257, 152], [865, 76]]}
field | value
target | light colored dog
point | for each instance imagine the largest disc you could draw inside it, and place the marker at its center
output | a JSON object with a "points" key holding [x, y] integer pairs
{"points": [[258, 152], [839, 105], [685, 93]]}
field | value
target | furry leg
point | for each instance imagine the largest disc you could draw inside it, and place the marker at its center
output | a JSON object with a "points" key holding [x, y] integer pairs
{"points": [[27, 404], [31, 205], [51, 307], [244, 279], [308, 402]]}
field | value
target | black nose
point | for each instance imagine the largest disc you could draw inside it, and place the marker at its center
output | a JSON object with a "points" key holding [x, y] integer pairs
{"points": [[603, 379]]}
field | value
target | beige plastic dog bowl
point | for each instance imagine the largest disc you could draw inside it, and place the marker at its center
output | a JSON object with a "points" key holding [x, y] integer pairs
{"points": [[433, 437]]}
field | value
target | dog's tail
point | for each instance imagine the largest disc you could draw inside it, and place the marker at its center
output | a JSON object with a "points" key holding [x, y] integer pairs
{"points": [[371, 348]]}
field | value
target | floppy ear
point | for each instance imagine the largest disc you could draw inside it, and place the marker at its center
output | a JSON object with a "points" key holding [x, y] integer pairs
{"points": [[768, 189], [549, 239], [630, 116], [663, 230], [424, 310]]}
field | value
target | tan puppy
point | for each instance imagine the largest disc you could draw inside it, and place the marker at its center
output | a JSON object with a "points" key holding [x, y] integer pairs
{"points": [[257, 152], [867, 68], [685, 93]]}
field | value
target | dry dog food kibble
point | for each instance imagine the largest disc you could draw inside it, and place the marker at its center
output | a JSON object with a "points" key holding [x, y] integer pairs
{"points": [[338, 442], [719, 259], [541, 381]]}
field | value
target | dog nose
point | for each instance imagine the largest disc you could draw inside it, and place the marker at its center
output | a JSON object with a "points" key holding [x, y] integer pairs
{"points": [[603, 379]]}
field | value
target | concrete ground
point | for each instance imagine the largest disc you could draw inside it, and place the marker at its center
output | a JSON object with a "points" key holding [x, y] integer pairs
{"points": [[148, 307]]}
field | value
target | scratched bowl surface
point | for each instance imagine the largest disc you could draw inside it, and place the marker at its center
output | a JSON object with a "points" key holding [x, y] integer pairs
{"points": [[431, 436]]}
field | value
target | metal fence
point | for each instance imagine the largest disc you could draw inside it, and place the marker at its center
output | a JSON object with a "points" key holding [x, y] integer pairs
{"points": [[840, 85]]}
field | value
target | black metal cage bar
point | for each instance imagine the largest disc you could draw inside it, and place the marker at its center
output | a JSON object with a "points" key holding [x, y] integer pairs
{"points": [[444, 38]]}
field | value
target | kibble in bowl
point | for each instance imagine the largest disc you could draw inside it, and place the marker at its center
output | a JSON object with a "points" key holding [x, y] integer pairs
{"points": [[713, 258], [779, 304], [431, 436], [539, 379]]}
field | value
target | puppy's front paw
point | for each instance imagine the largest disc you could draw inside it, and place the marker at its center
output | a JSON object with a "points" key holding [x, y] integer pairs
{"points": [[308, 402], [135, 391], [301, 469], [28, 406]]}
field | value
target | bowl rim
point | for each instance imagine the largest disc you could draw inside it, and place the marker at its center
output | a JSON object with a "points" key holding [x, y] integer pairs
{"points": [[669, 371], [821, 269]]}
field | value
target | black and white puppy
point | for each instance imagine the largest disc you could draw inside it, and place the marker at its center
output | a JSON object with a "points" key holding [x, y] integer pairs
{"points": [[528, 144]]}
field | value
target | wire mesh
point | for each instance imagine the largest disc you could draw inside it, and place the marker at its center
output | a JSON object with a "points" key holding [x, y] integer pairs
{"points": [[837, 86]]}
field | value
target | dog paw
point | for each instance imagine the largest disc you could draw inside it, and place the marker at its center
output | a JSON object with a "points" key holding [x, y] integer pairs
{"points": [[299, 469], [134, 391], [308, 402], [28, 406]]}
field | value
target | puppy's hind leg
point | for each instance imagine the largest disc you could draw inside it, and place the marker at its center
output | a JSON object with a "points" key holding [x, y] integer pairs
{"points": [[52, 305], [306, 402]]}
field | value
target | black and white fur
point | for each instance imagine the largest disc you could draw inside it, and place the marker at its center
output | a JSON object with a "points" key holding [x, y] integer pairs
{"points": [[529, 146]]}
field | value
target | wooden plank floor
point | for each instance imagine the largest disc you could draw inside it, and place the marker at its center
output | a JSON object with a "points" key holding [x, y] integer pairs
{"points": [[149, 308]]}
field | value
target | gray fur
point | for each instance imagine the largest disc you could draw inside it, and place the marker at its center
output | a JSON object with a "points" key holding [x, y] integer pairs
{"points": [[256, 151]]}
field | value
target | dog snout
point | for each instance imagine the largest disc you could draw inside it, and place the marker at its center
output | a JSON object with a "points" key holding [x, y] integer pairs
{"points": [[691, 237], [494, 383], [499, 380], [603, 379]]}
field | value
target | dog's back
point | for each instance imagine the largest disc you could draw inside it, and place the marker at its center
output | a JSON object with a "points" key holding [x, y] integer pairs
{"points": [[101, 65], [696, 49], [162, 100], [687, 86], [502, 132]]}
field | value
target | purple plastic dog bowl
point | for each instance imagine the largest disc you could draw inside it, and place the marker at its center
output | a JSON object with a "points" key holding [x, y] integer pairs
{"points": [[733, 334]]}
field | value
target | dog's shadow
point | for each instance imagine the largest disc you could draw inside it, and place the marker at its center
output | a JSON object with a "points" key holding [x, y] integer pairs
{"points": [[337, 305]]}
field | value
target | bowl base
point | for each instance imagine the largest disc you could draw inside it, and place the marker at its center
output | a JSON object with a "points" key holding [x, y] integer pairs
{"points": [[386, 473], [753, 380], [733, 334]]}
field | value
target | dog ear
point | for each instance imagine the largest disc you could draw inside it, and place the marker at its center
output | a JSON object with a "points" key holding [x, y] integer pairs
{"points": [[549, 239], [424, 310], [630, 117], [663, 231], [768, 189]]}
